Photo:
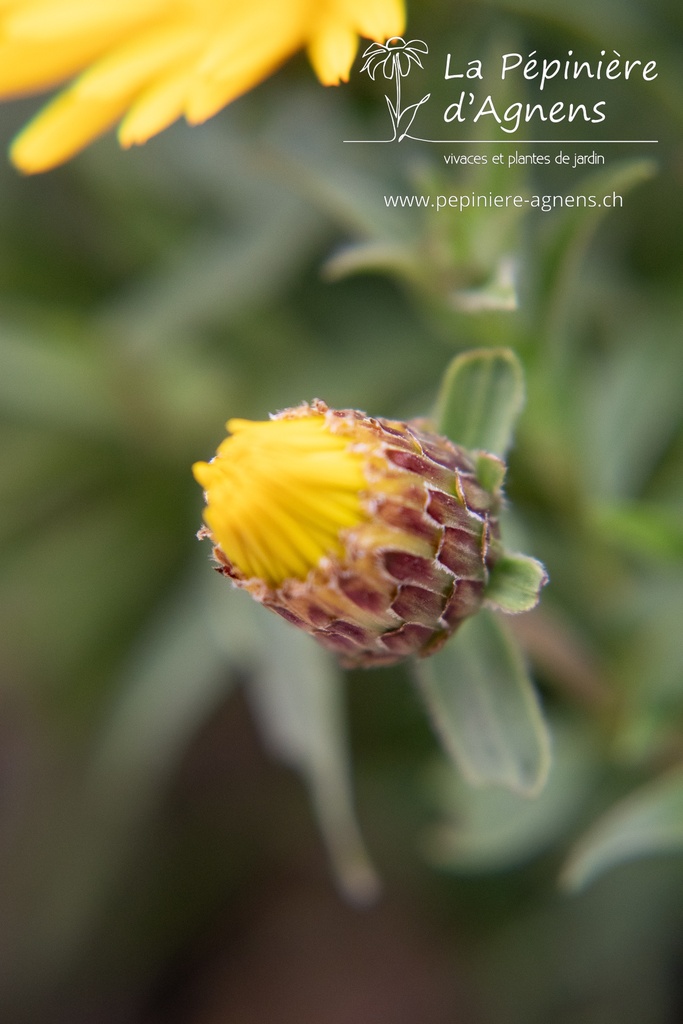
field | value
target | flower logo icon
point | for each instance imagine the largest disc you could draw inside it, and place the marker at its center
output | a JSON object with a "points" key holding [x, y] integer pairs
{"points": [[396, 57]]}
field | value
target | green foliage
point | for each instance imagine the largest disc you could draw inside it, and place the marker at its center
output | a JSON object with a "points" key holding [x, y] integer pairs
{"points": [[493, 828], [648, 821], [297, 694], [484, 708], [481, 396]]}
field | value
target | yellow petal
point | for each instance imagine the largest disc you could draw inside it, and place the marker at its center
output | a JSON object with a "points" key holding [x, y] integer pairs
{"points": [[33, 67], [256, 30], [332, 52], [133, 65], [375, 19], [7, 5], [156, 108], [247, 58], [62, 129], [59, 19], [160, 58]]}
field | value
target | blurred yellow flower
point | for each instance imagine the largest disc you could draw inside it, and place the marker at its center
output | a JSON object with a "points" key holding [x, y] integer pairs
{"points": [[146, 63]]}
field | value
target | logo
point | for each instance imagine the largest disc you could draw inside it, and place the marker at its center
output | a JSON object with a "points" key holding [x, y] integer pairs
{"points": [[396, 58], [481, 93]]}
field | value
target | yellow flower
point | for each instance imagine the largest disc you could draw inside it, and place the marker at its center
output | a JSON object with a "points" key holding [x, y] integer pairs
{"points": [[146, 63], [279, 493], [375, 536]]}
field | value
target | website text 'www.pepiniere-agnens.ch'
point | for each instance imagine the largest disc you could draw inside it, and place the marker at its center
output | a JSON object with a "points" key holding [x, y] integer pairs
{"points": [[473, 201]]}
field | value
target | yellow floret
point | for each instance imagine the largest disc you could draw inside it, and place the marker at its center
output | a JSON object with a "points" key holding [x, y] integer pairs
{"points": [[279, 495]]}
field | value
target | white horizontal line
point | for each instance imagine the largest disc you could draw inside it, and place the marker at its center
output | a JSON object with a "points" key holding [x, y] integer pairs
{"points": [[520, 142]]}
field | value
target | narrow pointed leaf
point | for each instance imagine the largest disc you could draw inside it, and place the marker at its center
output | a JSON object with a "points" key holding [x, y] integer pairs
{"points": [[571, 235], [176, 676], [372, 257], [485, 709], [649, 821], [493, 829], [480, 399], [297, 697]]}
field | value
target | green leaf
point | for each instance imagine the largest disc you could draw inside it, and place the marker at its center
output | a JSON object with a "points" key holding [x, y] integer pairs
{"points": [[646, 822], [295, 690], [391, 257], [515, 583], [493, 829], [572, 233], [480, 399], [175, 677], [58, 386], [485, 709], [649, 530], [297, 697], [499, 292], [630, 410]]}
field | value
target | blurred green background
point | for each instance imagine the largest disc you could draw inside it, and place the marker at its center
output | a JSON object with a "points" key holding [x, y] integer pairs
{"points": [[160, 860]]}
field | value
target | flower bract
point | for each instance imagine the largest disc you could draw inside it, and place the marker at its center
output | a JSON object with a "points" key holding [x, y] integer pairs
{"points": [[145, 63], [376, 536]]}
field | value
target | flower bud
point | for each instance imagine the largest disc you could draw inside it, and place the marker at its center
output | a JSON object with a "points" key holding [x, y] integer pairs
{"points": [[374, 536]]}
